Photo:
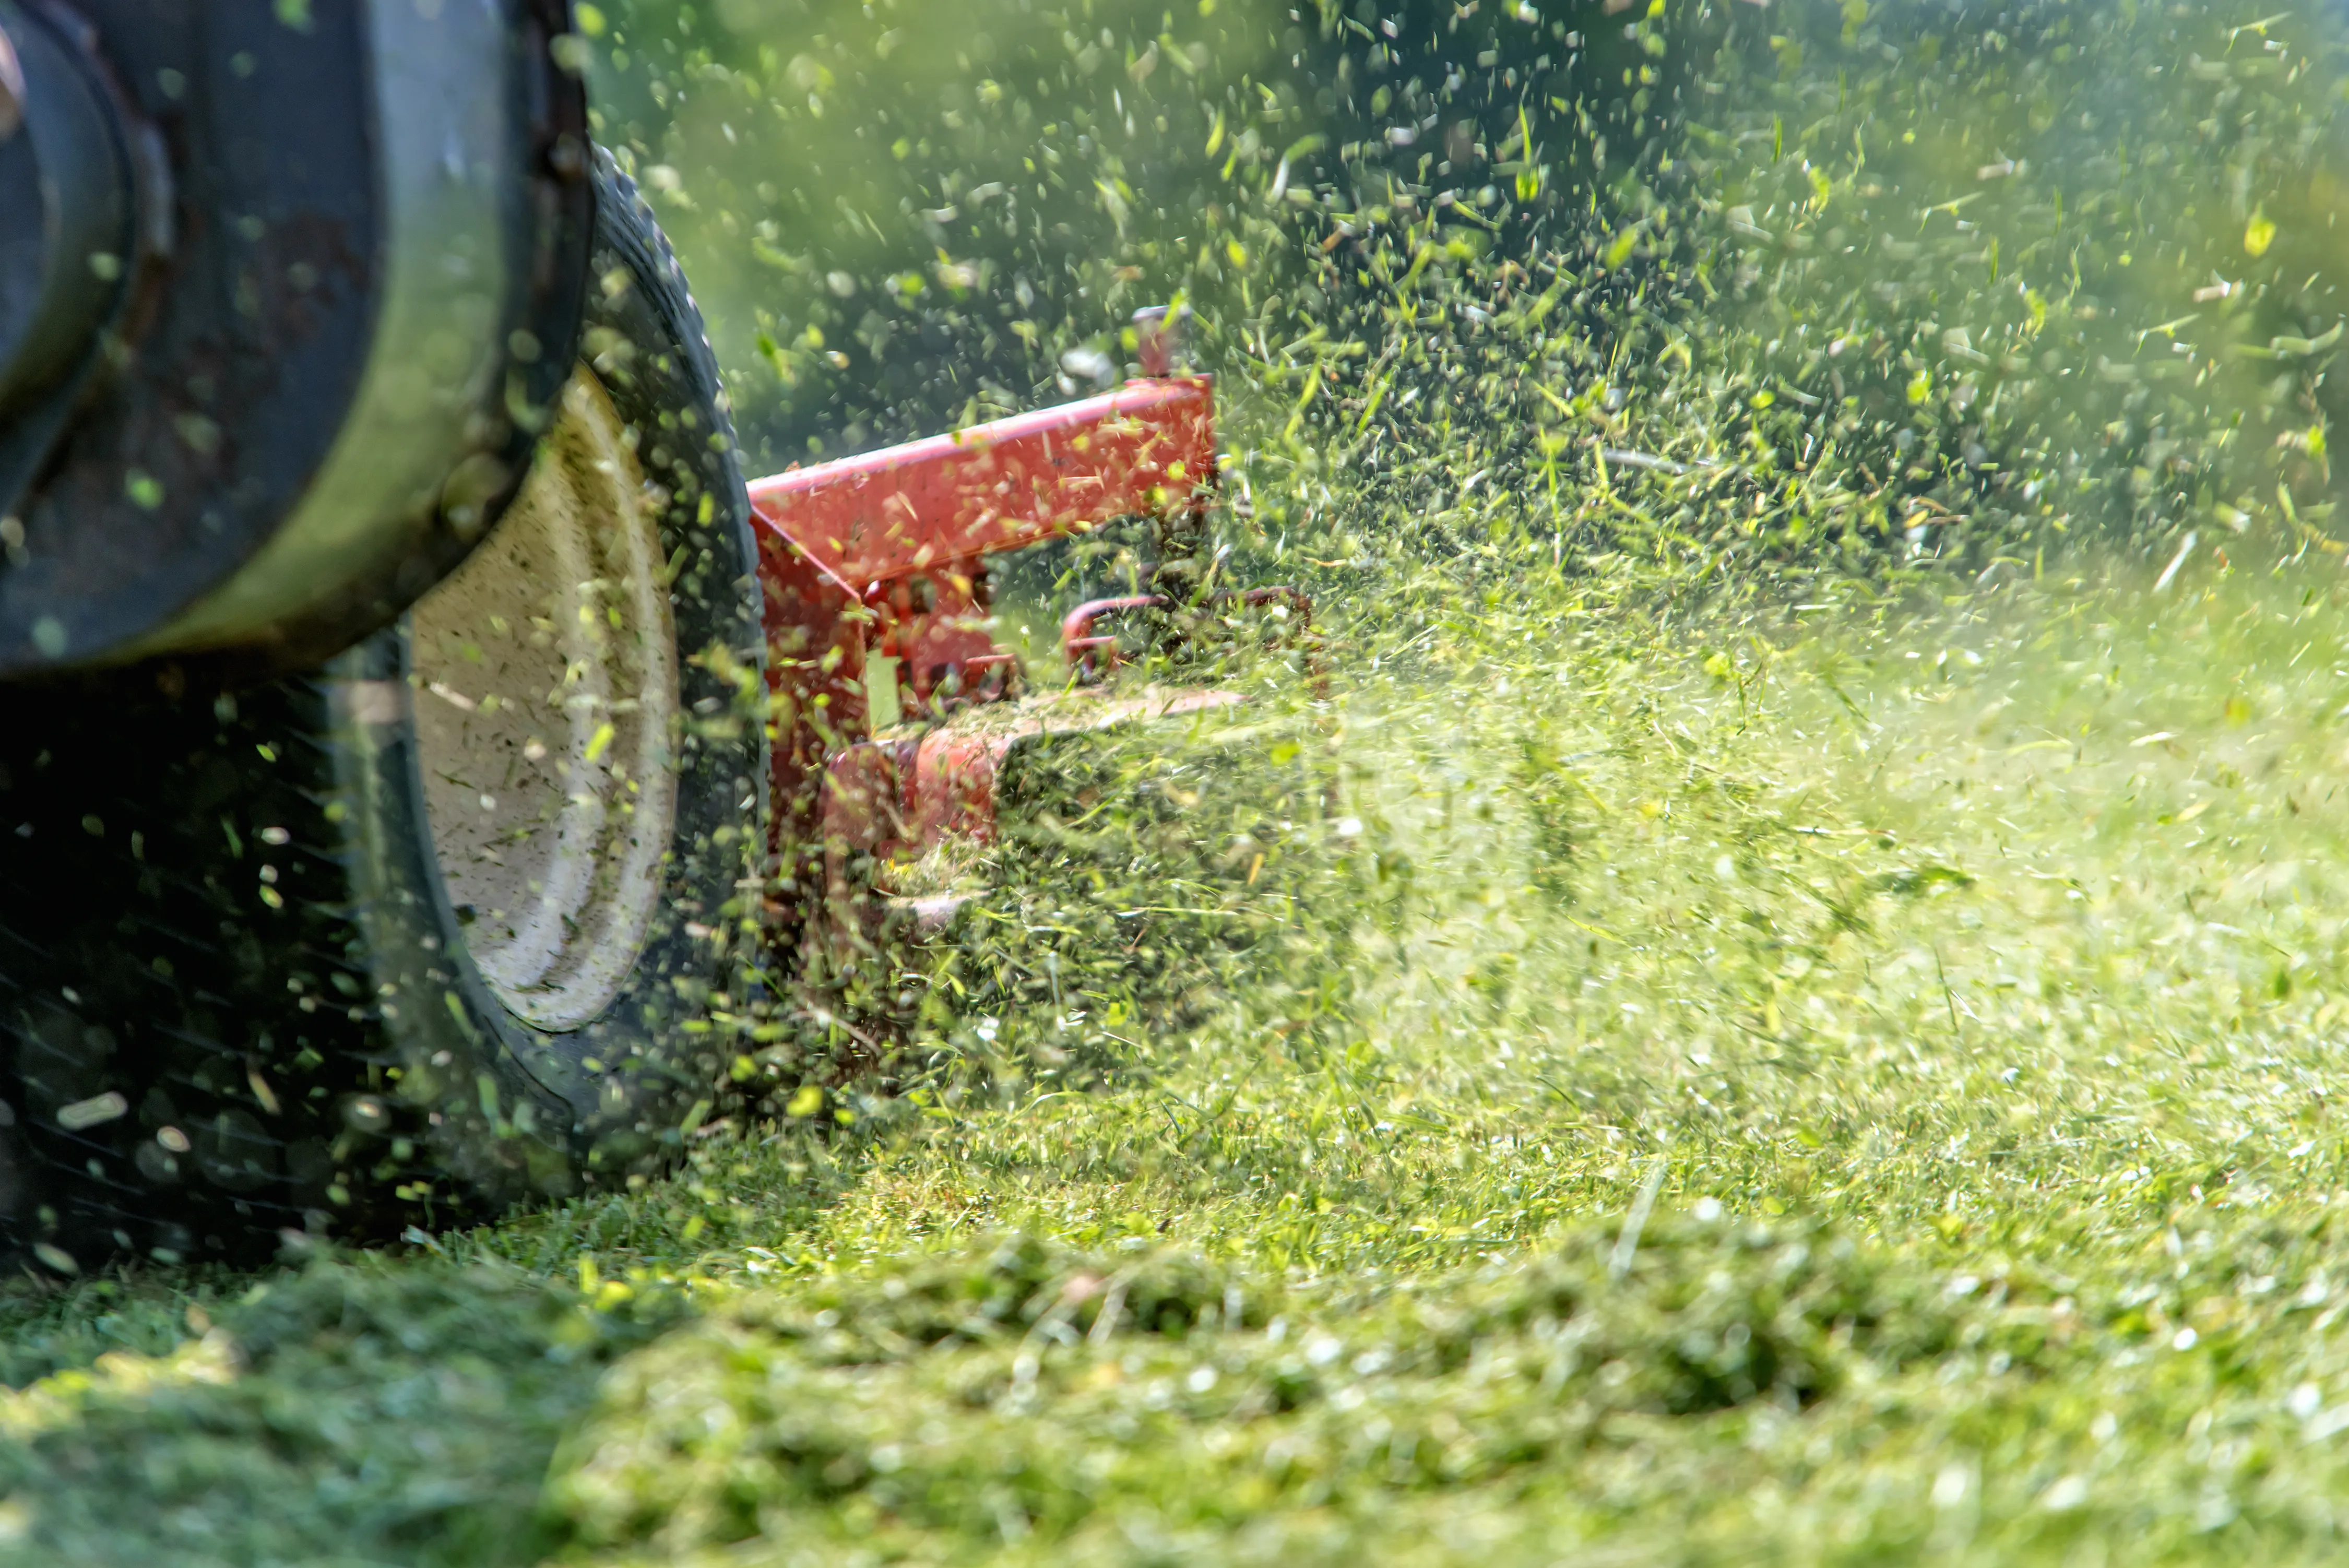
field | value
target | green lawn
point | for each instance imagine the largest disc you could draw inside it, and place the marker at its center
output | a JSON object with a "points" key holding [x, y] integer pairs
{"points": [[1857, 1089], [1787, 1009]]}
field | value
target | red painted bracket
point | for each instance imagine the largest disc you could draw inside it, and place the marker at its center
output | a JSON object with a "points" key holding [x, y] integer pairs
{"points": [[884, 554], [935, 504]]}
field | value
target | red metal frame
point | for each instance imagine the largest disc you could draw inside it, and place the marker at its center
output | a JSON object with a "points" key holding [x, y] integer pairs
{"points": [[883, 555], [904, 533], [926, 506]]}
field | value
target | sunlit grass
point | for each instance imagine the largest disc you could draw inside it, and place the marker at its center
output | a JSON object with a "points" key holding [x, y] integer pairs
{"points": [[1786, 1007], [1996, 941], [1954, 996]]}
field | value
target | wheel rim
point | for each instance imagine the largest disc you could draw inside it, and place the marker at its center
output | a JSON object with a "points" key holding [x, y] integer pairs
{"points": [[546, 701]]}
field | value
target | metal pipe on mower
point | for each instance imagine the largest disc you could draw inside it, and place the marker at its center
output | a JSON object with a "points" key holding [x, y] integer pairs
{"points": [[884, 555]]}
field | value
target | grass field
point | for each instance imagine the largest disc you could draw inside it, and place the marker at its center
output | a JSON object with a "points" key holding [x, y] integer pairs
{"points": [[1856, 1089], [1806, 1025]]}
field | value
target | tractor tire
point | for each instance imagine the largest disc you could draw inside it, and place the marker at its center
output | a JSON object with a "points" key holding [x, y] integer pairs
{"points": [[459, 920]]}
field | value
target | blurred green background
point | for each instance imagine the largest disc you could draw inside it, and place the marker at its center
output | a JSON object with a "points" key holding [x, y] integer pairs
{"points": [[2059, 273], [901, 215]]}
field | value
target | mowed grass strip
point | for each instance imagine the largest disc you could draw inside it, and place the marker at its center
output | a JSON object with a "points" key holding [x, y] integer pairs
{"points": [[1813, 1089]]}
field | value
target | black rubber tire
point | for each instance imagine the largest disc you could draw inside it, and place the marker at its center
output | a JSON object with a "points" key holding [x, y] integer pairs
{"points": [[235, 998]]}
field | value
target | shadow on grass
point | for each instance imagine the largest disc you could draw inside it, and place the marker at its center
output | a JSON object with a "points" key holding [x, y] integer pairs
{"points": [[396, 1407]]}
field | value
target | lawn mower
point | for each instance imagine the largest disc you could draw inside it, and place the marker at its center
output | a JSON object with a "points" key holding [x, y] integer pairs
{"points": [[427, 760]]}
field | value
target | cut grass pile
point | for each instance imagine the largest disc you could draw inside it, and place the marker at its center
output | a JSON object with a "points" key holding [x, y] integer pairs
{"points": [[1859, 1089]]}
